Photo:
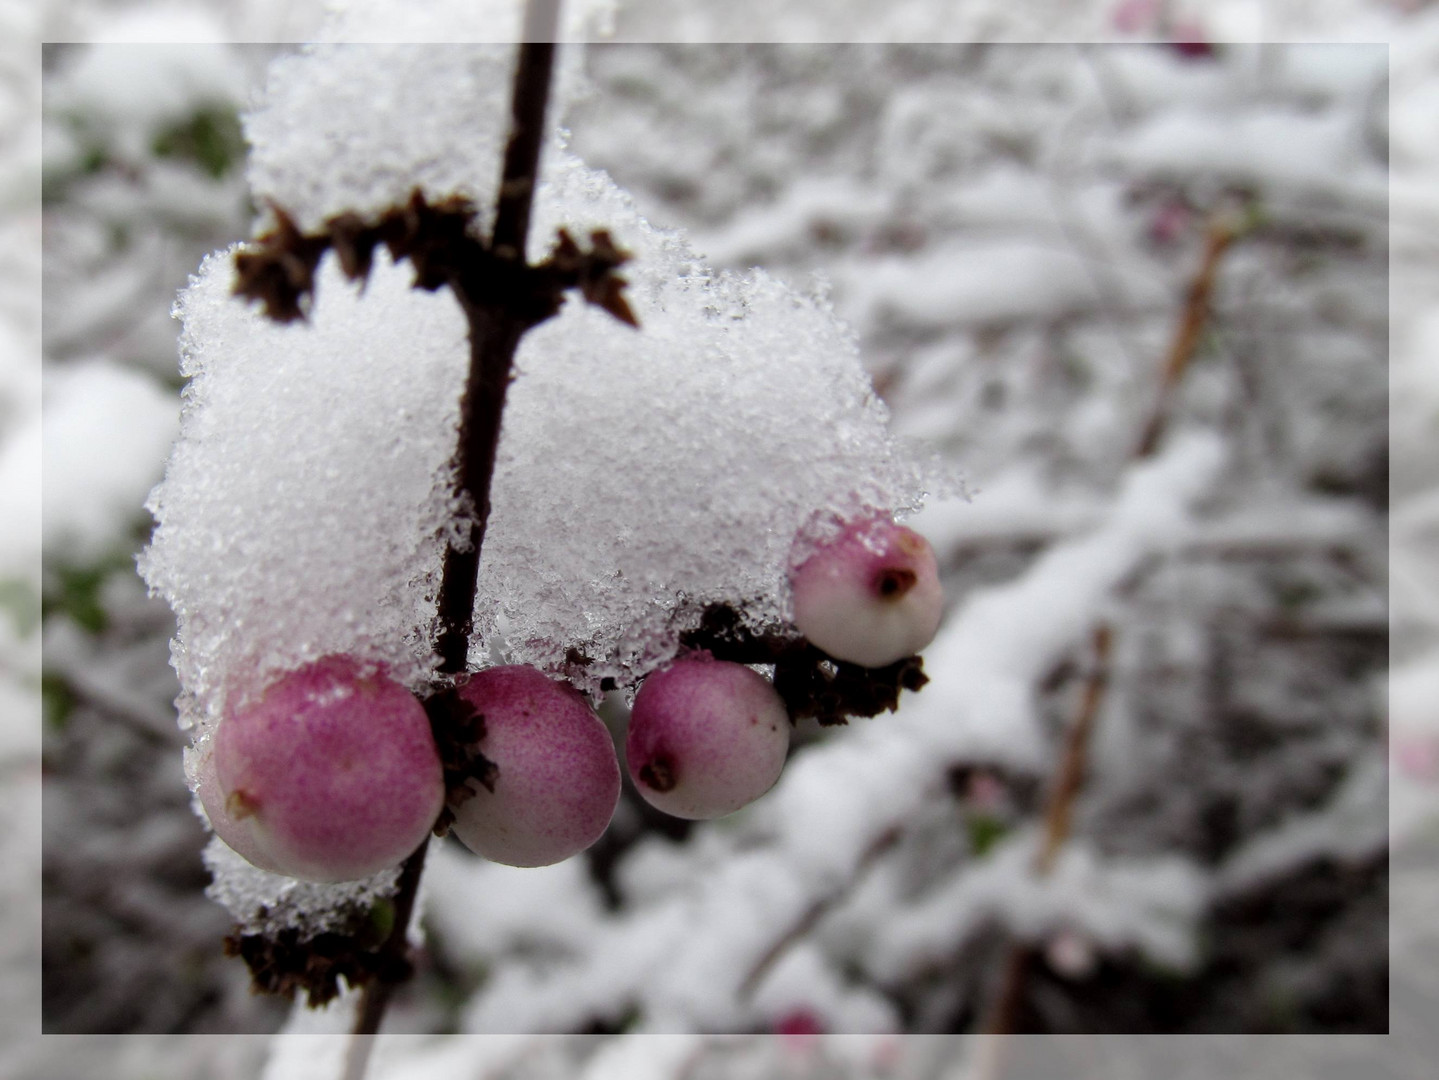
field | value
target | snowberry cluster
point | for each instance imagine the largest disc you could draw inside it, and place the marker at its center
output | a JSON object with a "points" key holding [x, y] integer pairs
{"points": [[333, 773]]}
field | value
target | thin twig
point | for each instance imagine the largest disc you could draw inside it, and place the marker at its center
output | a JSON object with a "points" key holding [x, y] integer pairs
{"points": [[1003, 1015], [993, 1038], [816, 911], [375, 997], [1221, 233], [495, 332], [1058, 824], [1059, 813]]}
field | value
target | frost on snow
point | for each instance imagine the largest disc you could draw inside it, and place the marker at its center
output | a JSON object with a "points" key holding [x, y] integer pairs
{"points": [[641, 475]]}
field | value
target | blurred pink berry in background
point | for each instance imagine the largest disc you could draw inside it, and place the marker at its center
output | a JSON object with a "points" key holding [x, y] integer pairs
{"points": [[800, 1029], [984, 791], [1170, 222], [1132, 16], [1417, 757], [1190, 41], [1071, 953]]}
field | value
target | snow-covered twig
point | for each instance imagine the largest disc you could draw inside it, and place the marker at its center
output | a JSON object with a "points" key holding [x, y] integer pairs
{"points": [[1058, 816], [816, 911], [1003, 1012]]}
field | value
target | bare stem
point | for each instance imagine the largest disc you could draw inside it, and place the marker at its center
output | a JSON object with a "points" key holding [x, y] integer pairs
{"points": [[495, 332], [1059, 813], [816, 911], [375, 997], [1058, 824]]}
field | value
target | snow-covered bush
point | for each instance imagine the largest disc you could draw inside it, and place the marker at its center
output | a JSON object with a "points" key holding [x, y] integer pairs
{"points": [[1010, 234]]}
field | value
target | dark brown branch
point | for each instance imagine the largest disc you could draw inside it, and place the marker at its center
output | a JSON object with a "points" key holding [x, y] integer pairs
{"points": [[528, 104], [502, 296], [277, 269], [1004, 1013], [495, 333], [495, 330]]}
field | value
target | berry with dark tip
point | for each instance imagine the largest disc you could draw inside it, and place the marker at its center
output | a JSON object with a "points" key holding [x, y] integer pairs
{"points": [[331, 775], [871, 596], [706, 737], [557, 781]]}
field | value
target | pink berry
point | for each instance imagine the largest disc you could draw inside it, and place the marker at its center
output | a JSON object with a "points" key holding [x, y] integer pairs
{"points": [[558, 781], [332, 775], [706, 737], [871, 596]]}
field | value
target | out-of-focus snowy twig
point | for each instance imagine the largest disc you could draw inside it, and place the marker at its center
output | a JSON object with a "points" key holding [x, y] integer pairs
{"points": [[1221, 233], [816, 911], [1003, 1013], [1058, 818]]}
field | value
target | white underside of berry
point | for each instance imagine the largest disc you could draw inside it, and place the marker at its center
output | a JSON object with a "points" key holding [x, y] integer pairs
{"points": [[856, 625], [237, 830], [870, 600]]}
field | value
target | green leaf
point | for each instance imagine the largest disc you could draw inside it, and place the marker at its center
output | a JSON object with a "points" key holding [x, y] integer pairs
{"points": [[57, 701], [211, 138], [382, 920], [21, 602], [984, 832]]}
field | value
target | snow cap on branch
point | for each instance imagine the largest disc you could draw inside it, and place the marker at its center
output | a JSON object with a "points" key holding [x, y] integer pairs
{"points": [[641, 474]]}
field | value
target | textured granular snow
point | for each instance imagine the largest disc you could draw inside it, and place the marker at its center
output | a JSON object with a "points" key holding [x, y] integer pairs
{"points": [[358, 127]]}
